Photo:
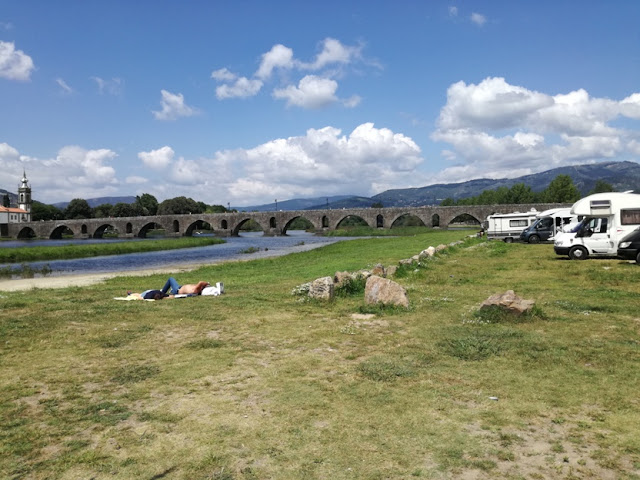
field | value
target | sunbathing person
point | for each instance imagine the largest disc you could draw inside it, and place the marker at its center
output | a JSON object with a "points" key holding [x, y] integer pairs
{"points": [[188, 289], [150, 295]]}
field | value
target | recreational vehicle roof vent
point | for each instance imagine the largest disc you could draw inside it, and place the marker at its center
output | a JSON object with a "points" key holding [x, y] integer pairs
{"points": [[600, 207]]}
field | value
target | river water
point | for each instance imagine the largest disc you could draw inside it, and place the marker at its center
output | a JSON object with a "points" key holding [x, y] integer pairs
{"points": [[295, 241]]}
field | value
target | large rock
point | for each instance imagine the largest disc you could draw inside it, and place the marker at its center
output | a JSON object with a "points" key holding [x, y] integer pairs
{"points": [[340, 278], [322, 288], [428, 252], [378, 270], [508, 301], [384, 291]]}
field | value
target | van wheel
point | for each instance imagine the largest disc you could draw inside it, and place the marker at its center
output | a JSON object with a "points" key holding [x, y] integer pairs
{"points": [[638, 259], [508, 240], [534, 239], [578, 253]]}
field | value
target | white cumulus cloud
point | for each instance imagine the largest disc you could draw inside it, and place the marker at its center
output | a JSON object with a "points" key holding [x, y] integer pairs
{"points": [[157, 159], [74, 172], [333, 52], [14, 64], [173, 107], [311, 92], [496, 128], [278, 57], [242, 88]]}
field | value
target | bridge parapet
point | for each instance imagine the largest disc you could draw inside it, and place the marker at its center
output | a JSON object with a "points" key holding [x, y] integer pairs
{"points": [[272, 223]]}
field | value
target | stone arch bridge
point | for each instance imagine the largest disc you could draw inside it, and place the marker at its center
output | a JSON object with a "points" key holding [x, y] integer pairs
{"points": [[272, 223]]}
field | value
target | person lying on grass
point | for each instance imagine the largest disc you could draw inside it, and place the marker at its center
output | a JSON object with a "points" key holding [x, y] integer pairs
{"points": [[188, 289]]}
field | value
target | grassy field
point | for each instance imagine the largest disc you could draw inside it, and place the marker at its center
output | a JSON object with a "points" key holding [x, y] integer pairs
{"points": [[257, 384]]}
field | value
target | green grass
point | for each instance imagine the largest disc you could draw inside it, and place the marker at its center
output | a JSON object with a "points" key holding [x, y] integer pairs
{"points": [[33, 254], [255, 384]]}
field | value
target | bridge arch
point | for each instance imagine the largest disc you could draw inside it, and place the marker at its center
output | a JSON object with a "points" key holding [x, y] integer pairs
{"points": [[142, 233], [198, 224], [241, 223], [435, 220], [308, 220], [129, 228], [26, 232], [379, 221], [224, 225], [356, 220], [465, 219], [409, 219], [56, 233], [99, 232]]}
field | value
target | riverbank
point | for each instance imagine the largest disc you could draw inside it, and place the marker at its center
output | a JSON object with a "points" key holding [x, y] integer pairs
{"points": [[86, 279], [83, 280]]}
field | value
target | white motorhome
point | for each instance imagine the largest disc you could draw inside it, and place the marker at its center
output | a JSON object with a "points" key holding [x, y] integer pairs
{"points": [[548, 224], [608, 217], [508, 226]]}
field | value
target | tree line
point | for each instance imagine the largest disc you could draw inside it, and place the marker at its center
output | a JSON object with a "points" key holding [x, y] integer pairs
{"points": [[145, 205], [560, 190]]}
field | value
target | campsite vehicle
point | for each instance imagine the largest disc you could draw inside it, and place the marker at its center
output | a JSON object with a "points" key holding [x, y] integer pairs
{"points": [[547, 224], [608, 217], [629, 246], [508, 226]]}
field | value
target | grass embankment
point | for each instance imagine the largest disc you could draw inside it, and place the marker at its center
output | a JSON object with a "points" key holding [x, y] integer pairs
{"points": [[376, 232], [63, 252], [256, 384]]}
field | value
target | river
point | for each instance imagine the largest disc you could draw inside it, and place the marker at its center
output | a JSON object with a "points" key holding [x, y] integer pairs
{"points": [[232, 249]]}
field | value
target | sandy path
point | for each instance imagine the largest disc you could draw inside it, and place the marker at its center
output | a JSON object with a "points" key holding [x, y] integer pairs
{"points": [[62, 281]]}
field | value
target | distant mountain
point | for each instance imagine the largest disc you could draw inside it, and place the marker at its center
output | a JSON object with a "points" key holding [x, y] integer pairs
{"points": [[94, 202], [13, 197], [622, 176], [295, 204]]}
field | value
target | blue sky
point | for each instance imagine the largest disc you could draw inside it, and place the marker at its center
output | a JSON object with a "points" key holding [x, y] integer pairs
{"points": [[245, 102]]}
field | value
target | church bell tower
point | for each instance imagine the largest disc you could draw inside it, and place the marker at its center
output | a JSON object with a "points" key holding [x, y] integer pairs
{"points": [[24, 196]]}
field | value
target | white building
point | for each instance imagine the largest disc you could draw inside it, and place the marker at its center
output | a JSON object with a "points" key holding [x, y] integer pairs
{"points": [[19, 214]]}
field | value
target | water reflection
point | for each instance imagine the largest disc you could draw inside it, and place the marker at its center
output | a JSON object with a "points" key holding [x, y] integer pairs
{"points": [[233, 249]]}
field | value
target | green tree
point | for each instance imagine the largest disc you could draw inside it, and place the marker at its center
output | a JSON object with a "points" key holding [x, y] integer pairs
{"points": [[178, 206], [77, 208], [520, 193], [6, 201], [377, 205], [42, 211], [122, 209], [147, 204], [447, 202], [216, 209], [601, 187], [561, 190], [102, 211]]}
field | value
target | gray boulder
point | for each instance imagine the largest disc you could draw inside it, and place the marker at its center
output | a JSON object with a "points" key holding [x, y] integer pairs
{"points": [[508, 301], [322, 288], [384, 291]]}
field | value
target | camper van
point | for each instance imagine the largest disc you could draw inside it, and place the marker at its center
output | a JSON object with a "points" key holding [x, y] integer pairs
{"points": [[508, 226], [547, 224], [608, 217]]}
